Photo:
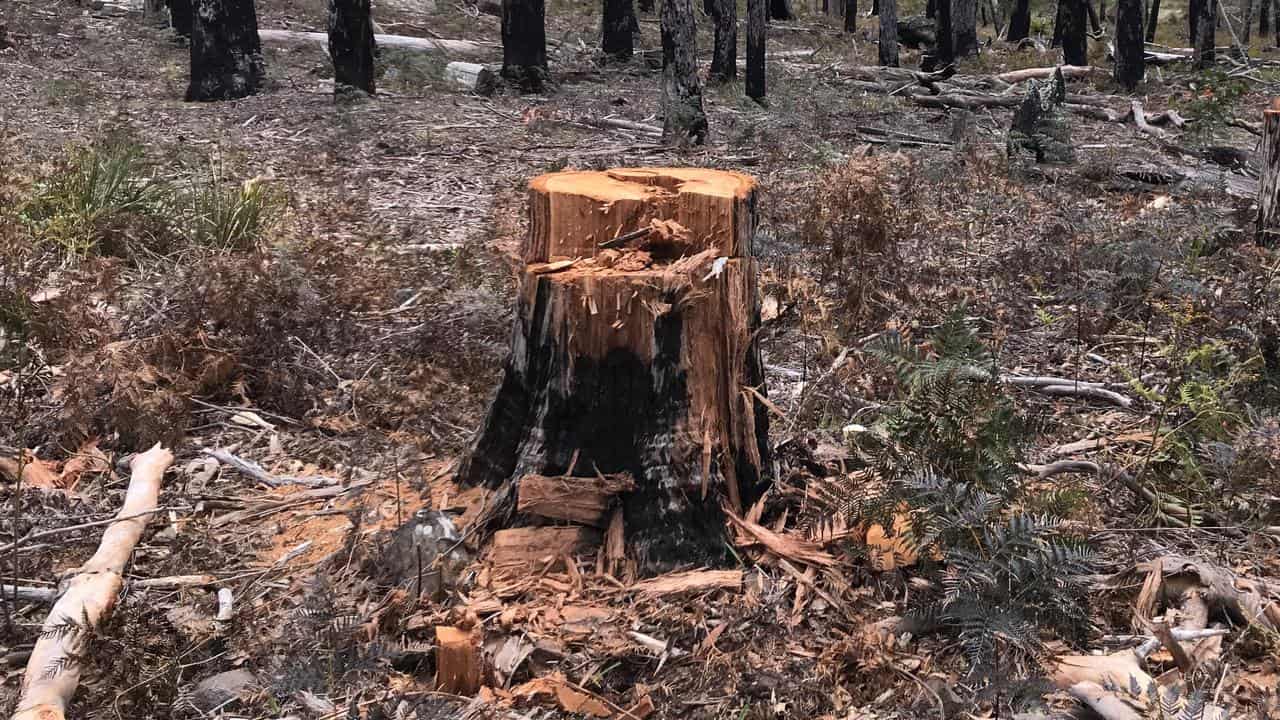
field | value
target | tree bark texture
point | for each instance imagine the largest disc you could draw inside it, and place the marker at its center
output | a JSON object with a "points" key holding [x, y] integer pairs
{"points": [[1075, 39], [1129, 47], [1093, 15], [1264, 19], [616, 26], [351, 45], [888, 54], [1193, 19], [780, 10], [724, 56], [524, 44], [1153, 18], [1206, 33], [1019, 21], [850, 15], [931, 8], [1269, 180], [964, 27], [226, 55], [1059, 13], [757, 33], [1247, 24], [684, 120], [638, 362], [944, 42], [181, 17]]}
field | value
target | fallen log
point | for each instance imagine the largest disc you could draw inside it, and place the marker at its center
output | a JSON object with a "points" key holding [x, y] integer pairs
{"points": [[1140, 119], [402, 42], [472, 77], [1069, 72], [24, 593], [53, 671]]}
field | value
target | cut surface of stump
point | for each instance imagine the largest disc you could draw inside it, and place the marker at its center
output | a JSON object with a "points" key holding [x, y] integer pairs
{"points": [[638, 358]]}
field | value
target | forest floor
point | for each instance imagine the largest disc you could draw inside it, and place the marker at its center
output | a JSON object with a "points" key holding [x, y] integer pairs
{"points": [[357, 329]]}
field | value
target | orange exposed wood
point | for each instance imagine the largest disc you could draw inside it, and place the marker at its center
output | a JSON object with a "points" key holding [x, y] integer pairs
{"points": [[581, 500], [458, 663], [534, 548]]}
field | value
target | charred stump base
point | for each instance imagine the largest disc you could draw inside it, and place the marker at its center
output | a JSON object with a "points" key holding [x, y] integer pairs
{"points": [[226, 54], [637, 360]]}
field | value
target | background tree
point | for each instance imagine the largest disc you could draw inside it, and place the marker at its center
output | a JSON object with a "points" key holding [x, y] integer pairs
{"points": [[1075, 39], [850, 15], [756, 35], [683, 117], [1020, 21], [1153, 18], [1129, 48], [931, 8], [1247, 24], [1193, 18], [616, 28], [943, 46], [226, 54], [1264, 19], [351, 45], [780, 10], [889, 33], [724, 57], [524, 44], [1060, 10], [964, 27], [180, 18], [1206, 32]]}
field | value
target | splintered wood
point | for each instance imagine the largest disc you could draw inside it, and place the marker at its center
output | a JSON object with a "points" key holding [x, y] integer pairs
{"points": [[522, 550], [458, 662], [585, 501]]}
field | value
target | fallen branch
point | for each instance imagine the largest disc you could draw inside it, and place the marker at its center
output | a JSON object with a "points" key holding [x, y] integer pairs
{"points": [[53, 671], [1140, 119], [24, 593], [255, 471], [403, 42]]}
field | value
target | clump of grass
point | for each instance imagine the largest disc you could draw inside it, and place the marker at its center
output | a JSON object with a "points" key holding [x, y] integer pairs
{"points": [[227, 217]]}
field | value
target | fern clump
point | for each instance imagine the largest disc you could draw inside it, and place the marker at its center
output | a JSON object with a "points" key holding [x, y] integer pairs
{"points": [[945, 457]]}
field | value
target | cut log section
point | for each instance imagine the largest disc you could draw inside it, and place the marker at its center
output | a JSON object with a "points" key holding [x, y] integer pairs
{"points": [[519, 550], [458, 663], [637, 358], [472, 77], [586, 501]]}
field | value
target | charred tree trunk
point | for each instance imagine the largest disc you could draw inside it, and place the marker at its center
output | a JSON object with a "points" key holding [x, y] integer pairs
{"points": [[889, 33], [1019, 21], [1129, 48], [1093, 15], [351, 46], [931, 8], [1248, 24], [637, 361], [757, 32], [1075, 47], [180, 17], [1269, 179], [780, 10], [850, 15], [964, 27], [1152, 19], [1059, 22], [683, 118], [524, 44], [1206, 33], [1193, 18], [1264, 20], [616, 25], [724, 58], [943, 53], [875, 7], [226, 55]]}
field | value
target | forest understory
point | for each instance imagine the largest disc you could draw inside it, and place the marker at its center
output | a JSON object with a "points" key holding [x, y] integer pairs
{"points": [[1024, 417]]}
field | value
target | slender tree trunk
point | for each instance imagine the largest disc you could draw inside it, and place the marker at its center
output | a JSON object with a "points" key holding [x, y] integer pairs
{"points": [[1129, 49], [889, 33], [1093, 15], [931, 8], [616, 25], [756, 35], [1264, 20], [1059, 22], [964, 27], [1019, 21], [1152, 19], [1206, 33], [683, 118], [524, 44], [180, 17], [944, 43], [1075, 40], [780, 10], [351, 46], [850, 15], [875, 7], [1193, 17], [1248, 24], [724, 60], [226, 55]]}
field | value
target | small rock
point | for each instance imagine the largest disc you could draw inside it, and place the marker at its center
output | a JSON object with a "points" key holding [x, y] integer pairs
{"points": [[220, 689]]}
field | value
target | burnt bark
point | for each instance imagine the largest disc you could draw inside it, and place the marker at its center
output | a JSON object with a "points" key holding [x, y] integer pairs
{"points": [[226, 54], [964, 27], [1093, 15], [1129, 48], [181, 17], [616, 25], [1193, 19], [1153, 18], [1075, 39], [943, 53], [724, 56], [850, 15], [757, 32], [780, 10], [1247, 24], [1019, 21], [1264, 19], [1206, 33], [524, 44], [931, 8], [683, 118], [888, 51], [351, 45]]}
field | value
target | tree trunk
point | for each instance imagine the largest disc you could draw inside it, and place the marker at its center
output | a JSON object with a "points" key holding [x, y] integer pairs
{"points": [[850, 15], [637, 361], [1019, 21], [875, 7], [683, 118], [1264, 20], [780, 10], [724, 58], [1129, 48], [1248, 24], [524, 44], [1152, 20], [1206, 33], [616, 25], [1093, 15], [180, 17], [1059, 22], [889, 33], [931, 8], [964, 26], [1075, 47], [756, 36], [944, 40], [226, 55], [1193, 17], [1269, 179], [351, 45]]}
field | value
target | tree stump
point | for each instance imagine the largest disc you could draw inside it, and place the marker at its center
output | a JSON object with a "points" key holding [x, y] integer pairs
{"points": [[226, 54], [1269, 180], [638, 359], [351, 46]]}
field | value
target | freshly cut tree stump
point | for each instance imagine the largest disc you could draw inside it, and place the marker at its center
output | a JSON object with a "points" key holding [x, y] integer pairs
{"points": [[637, 359]]}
